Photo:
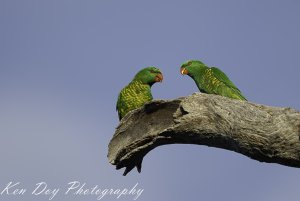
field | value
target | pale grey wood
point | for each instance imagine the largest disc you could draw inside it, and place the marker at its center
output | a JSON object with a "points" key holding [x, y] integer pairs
{"points": [[264, 133]]}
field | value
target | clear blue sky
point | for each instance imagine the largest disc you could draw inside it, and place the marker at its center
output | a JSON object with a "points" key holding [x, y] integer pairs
{"points": [[63, 63]]}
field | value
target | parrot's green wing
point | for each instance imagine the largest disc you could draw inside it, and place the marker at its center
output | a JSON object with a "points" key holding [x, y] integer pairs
{"points": [[220, 75], [217, 82], [133, 96]]}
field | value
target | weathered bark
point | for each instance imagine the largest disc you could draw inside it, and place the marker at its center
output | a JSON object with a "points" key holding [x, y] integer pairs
{"points": [[264, 133]]}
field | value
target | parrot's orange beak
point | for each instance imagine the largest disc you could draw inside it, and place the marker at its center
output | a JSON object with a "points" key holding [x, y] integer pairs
{"points": [[183, 71], [159, 77]]}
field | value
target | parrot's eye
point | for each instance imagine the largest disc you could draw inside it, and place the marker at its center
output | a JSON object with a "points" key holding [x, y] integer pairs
{"points": [[189, 63]]}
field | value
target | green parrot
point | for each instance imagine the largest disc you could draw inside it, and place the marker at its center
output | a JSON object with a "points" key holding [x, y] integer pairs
{"points": [[138, 91], [210, 80], [135, 95]]}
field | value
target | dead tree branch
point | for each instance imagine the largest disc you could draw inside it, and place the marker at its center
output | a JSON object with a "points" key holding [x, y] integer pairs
{"points": [[264, 133]]}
